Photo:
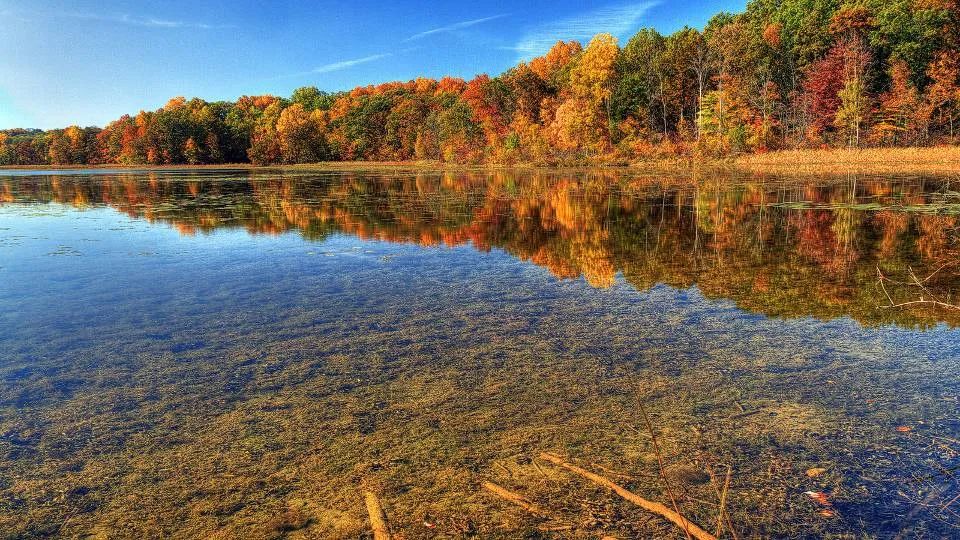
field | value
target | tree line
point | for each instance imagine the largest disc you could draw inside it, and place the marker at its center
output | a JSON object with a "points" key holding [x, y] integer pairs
{"points": [[782, 74]]}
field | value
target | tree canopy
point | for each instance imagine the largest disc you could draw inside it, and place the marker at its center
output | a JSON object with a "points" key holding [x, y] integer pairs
{"points": [[782, 74]]}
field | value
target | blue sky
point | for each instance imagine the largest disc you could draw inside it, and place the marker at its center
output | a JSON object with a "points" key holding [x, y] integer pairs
{"points": [[88, 62]]}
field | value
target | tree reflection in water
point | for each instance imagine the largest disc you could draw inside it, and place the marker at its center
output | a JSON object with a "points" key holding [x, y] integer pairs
{"points": [[778, 247]]}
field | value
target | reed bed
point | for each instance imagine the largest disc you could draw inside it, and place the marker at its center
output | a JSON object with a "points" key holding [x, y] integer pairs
{"points": [[938, 159]]}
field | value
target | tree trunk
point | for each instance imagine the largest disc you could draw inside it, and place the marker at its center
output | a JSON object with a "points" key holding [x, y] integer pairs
{"points": [[699, 101], [663, 108]]}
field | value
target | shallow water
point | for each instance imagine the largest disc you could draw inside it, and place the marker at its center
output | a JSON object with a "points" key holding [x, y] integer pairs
{"points": [[242, 354]]}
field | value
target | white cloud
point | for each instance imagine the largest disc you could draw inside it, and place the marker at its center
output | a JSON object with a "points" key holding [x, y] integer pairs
{"points": [[344, 64], [615, 19], [453, 27]]}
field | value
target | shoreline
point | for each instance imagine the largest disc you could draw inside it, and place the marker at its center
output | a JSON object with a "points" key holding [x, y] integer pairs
{"points": [[656, 165], [921, 160]]}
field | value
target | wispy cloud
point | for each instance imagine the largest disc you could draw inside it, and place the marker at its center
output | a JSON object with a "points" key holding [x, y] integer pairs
{"points": [[139, 20], [454, 27], [344, 64], [616, 19], [11, 16]]}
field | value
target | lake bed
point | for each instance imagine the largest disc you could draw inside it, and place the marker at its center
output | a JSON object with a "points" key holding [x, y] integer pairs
{"points": [[244, 353]]}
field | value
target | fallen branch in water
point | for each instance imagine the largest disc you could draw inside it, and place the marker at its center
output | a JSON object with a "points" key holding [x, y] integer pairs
{"points": [[931, 299], [723, 517], [650, 506], [662, 469], [378, 517], [515, 498]]}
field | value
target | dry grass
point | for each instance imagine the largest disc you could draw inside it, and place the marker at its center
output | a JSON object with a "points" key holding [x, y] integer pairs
{"points": [[939, 159], [933, 160]]}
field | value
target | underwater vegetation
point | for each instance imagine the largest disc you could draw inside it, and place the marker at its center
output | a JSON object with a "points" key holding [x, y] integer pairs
{"points": [[235, 354]]}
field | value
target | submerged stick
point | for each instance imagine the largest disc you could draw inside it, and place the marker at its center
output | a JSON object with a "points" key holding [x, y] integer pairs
{"points": [[650, 506], [663, 472], [723, 517], [378, 517], [515, 498]]}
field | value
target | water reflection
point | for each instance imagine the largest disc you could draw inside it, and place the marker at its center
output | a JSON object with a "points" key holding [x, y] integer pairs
{"points": [[780, 248], [215, 383]]}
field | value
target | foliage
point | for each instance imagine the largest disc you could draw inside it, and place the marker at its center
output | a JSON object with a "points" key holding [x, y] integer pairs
{"points": [[782, 74]]}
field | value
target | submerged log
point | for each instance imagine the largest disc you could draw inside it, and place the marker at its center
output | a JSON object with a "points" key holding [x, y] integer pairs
{"points": [[685, 524], [515, 498], [378, 517]]}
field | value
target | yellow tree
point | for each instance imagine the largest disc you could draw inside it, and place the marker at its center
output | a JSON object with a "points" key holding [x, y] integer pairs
{"points": [[853, 111], [583, 120], [77, 140], [6, 156], [300, 134], [578, 125], [58, 148], [593, 76], [854, 100]]}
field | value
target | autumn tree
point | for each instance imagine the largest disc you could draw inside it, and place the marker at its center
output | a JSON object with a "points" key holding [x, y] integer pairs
{"points": [[6, 155], [240, 123], [489, 99], [265, 142], [191, 151], [554, 67], [300, 134], [943, 94], [58, 150], [527, 92], [406, 119], [822, 84], [900, 117], [459, 136], [582, 122], [689, 65]]}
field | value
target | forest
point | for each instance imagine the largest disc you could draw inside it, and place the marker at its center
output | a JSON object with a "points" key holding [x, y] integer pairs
{"points": [[783, 74]]}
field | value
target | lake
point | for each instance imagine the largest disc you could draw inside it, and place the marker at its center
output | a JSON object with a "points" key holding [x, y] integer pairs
{"points": [[244, 353]]}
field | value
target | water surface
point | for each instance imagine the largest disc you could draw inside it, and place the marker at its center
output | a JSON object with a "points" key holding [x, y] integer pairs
{"points": [[242, 353]]}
